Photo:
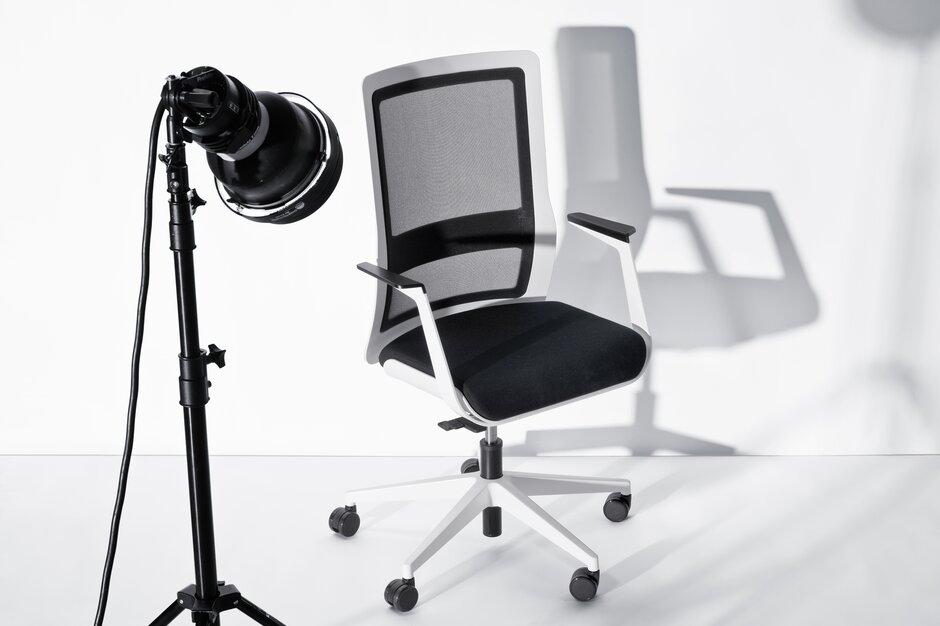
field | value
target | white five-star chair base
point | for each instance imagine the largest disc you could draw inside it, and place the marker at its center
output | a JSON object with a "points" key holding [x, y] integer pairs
{"points": [[488, 490]]}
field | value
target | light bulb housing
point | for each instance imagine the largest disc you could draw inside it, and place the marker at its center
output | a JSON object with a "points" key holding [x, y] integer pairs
{"points": [[276, 157]]}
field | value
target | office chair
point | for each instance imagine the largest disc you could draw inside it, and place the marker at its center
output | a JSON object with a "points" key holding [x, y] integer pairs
{"points": [[466, 248]]}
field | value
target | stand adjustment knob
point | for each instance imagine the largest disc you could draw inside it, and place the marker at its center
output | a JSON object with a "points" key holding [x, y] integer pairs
{"points": [[195, 201], [216, 355]]}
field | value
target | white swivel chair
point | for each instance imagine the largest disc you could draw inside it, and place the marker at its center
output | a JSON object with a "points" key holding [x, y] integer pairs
{"points": [[466, 248]]}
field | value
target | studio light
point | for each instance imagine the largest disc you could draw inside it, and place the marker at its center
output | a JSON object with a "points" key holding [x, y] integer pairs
{"points": [[276, 158]]}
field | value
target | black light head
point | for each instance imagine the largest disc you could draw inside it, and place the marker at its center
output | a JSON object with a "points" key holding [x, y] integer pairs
{"points": [[276, 157]]}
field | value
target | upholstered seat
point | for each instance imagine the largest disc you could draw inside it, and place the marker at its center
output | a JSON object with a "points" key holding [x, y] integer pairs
{"points": [[515, 358]]}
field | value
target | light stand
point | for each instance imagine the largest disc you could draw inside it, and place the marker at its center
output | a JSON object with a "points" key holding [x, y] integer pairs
{"points": [[276, 158], [208, 597]]}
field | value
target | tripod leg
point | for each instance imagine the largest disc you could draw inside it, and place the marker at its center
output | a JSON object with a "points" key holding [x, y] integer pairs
{"points": [[256, 613], [169, 614]]}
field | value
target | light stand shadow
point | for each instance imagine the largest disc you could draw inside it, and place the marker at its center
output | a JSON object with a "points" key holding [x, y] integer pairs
{"points": [[900, 377], [607, 177]]}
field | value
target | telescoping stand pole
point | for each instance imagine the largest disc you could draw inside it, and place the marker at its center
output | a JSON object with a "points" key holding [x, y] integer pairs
{"points": [[208, 597]]}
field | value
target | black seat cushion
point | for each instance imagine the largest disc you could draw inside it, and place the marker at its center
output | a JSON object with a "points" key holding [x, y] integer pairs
{"points": [[510, 359]]}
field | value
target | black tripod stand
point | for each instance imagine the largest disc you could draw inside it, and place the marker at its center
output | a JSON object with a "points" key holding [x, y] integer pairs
{"points": [[208, 597]]}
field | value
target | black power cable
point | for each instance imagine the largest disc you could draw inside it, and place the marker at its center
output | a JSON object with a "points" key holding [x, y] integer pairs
{"points": [[135, 365]]}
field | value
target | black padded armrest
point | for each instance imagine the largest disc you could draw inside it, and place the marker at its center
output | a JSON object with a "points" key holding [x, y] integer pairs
{"points": [[390, 278], [610, 228]]}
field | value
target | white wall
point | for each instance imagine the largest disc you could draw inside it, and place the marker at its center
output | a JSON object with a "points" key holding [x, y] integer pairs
{"points": [[808, 101]]}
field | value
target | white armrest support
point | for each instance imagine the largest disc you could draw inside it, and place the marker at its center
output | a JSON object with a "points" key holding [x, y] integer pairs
{"points": [[416, 291], [617, 236]]}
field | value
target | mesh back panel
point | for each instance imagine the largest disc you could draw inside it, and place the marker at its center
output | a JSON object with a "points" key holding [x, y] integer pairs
{"points": [[456, 186], [450, 152], [467, 272]]}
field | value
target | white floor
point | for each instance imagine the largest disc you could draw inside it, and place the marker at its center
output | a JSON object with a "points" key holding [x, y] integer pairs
{"points": [[733, 540]]}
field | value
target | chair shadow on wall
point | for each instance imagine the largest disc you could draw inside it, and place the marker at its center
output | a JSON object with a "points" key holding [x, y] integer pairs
{"points": [[686, 311]]}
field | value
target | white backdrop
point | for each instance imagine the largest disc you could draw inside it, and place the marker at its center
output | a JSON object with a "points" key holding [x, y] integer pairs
{"points": [[823, 112]]}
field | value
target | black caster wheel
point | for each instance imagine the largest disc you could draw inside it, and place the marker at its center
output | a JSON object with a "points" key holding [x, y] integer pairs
{"points": [[469, 466], [617, 506], [583, 585], [401, 594], [344, 521]]}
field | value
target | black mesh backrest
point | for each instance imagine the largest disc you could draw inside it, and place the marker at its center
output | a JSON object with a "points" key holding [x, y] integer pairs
{"points": [[453, 156]]}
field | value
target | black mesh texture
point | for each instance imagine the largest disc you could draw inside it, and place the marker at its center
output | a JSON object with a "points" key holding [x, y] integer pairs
{"points": [[453, 155]]}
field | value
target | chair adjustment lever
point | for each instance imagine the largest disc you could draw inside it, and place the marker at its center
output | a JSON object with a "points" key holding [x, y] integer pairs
{"points": [[461, 422]]}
